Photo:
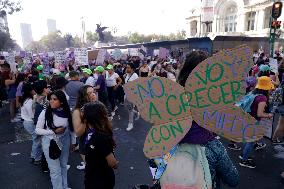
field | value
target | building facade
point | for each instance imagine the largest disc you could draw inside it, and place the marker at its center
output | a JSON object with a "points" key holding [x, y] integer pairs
{"points": [[26, 32], [3, 22], [51, 26], [232, 18]]}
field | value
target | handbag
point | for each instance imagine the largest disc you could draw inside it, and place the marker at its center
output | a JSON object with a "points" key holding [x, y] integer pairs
{"points": [[54, 150]]}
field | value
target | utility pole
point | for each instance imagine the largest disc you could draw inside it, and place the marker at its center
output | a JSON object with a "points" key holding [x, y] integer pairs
{"points": [[276, 13]]}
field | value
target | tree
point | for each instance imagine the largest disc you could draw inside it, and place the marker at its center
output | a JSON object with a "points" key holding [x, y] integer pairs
{"points": [[54, 41], [10, 6], [36, 46], [69, 39], [6, 42], [91, 37]]}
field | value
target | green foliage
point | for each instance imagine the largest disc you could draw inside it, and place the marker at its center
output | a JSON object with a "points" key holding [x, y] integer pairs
{"points": [[55, 42], [7, 43], [9, 6]]}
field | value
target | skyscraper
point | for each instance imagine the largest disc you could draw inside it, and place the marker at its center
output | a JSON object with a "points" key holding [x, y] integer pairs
{"points": [[51, 26], [26, 31]]}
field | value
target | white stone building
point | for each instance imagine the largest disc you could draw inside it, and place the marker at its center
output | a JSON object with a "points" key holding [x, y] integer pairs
{"points": [[232, 18]]}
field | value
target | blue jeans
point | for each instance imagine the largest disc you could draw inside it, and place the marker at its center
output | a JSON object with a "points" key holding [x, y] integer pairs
{"points": [[247, 150], [36, 146], [58, 167]]}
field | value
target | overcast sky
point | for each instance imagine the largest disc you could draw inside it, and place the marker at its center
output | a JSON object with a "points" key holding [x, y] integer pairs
{"points": [[143, 16]]}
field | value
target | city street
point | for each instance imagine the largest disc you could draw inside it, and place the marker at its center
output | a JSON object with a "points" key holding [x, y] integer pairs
{"points": [[17, 173]]}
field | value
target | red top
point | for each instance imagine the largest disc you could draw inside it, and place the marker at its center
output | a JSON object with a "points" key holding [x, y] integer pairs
{"points": [[254, 106]]}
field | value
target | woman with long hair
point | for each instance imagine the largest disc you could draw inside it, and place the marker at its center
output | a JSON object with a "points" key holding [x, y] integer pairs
{"points": [[100, 145], [27, 114], [220, 164], [86, 94], [12, 84], [56, 123]]}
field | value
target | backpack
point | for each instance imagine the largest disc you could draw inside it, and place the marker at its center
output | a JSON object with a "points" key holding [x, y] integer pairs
{"points": [[246, 102]]}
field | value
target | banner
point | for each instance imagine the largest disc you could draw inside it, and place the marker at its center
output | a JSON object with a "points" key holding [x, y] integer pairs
{"points": [[117, 54], [273, 65], [101, 57], [11, 61], [163, 53], [60, 56], [81, 56], [133, 52]]}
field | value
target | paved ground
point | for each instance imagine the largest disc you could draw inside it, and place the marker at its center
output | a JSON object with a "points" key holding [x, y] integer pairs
{"points": [[17, 173]]}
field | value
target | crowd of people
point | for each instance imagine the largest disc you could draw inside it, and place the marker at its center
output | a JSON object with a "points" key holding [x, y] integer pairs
{"points": [[73, 108]]}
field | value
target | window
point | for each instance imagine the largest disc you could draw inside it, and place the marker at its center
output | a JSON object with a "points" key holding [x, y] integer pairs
{"points": [[267, 16], [250, 20], [193, 28], [230, 21]]}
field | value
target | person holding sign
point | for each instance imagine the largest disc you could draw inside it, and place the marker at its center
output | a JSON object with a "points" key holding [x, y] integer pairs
{"points": [[218, 159]]}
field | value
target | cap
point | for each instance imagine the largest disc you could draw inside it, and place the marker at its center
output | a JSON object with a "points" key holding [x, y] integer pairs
{"points": [[87, 71], [109, 67], [264, 83], [39, 67], [264, 68], [100, 69]]}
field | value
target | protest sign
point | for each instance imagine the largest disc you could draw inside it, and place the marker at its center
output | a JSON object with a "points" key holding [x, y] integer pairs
{"points": [[133, 52], [213, 88], [156, 52], [60, 56], [11, 61], [268, 127], [92, 55], [163, 53], [46, 67], [81, 56], [50, 54], [117, 54], [163, 103], [273, 65], [101, 57]]}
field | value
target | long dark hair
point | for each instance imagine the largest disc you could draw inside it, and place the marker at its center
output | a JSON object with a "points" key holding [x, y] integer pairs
{"points": [[191, 61], [21, 77], [64, 105], [261, 92], [96, 116], [26, 93], [82, 97]]}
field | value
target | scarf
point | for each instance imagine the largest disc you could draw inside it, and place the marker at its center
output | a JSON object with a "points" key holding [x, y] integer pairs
{"points": [[60, 112]]}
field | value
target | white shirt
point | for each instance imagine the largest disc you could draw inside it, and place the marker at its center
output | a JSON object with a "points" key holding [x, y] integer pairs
{"points": [[27, 112], [95, 76], [58, 122], [111, 80], [90, 81], [131, 77]]}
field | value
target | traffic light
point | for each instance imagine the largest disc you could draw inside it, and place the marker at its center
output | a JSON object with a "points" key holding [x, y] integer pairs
{"points": [[276, 24], [276, 10]]}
